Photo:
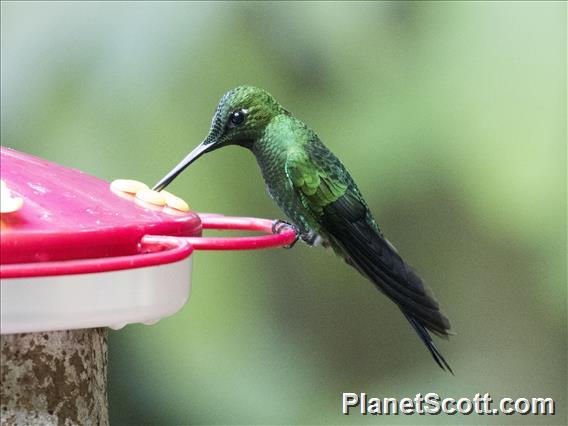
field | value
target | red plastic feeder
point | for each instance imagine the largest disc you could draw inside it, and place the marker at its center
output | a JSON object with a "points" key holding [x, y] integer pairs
{"points": [[76, 255]]}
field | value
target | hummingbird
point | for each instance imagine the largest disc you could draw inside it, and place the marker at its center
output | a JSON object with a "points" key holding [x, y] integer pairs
{"points": [[320, 199]]}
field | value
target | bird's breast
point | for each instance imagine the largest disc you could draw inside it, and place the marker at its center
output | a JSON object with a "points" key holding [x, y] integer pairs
{"points": [[280, 189]]}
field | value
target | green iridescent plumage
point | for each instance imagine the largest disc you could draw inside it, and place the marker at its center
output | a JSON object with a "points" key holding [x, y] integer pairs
{"points": [[318, 195]]}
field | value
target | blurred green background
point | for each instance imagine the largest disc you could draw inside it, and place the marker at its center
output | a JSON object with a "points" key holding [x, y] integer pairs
{"points": [[450, 116]]}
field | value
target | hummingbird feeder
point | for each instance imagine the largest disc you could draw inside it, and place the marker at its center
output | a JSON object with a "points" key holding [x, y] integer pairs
{"points": [[76, 256]]}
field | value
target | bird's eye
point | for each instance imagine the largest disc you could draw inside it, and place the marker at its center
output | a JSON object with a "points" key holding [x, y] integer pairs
{"points": [[237, 118]]}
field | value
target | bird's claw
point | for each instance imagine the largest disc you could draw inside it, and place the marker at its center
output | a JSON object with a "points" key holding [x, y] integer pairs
{"points": [[278, 225]]}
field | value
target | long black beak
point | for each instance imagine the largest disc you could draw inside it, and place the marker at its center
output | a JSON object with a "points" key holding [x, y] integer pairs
{"points": [[191, 157]]}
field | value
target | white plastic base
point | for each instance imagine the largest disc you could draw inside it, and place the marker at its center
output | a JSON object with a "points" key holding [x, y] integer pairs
{"points": [[103, 299]]}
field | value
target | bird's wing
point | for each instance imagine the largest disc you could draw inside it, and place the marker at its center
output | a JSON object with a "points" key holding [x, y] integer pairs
{"points": [[316, 186], [328, 191]]}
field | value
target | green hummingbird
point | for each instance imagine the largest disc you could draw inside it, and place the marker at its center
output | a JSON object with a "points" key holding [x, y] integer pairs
{"points": [[317, 194]]}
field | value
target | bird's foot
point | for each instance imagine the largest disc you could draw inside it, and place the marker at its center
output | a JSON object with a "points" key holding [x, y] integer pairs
{"points": [[278, 225]]}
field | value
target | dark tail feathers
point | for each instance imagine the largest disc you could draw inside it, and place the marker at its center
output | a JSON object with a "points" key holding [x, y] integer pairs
{"points": [[427, 339]]}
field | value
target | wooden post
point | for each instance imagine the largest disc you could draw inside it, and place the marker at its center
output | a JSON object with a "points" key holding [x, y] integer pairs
{"points": [[54, 378]]}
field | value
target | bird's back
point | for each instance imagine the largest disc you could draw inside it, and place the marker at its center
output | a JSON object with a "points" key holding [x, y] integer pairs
{"points": [[318, 194]]}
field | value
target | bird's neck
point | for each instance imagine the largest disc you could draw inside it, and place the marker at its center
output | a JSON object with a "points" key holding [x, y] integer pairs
{"points": [[281, 136]]}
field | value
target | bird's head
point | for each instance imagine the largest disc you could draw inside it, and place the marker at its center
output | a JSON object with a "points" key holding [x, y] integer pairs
{"points": [[240, 119]]}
